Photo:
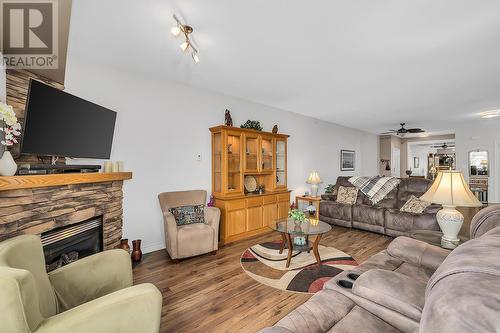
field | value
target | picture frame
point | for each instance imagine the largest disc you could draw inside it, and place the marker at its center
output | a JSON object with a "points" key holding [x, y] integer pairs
{"points": [[416, 162], [347, 160]]}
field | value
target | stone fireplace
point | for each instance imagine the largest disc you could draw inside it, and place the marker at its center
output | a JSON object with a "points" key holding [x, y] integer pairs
{"points": [[42, 208], [64, 245]]}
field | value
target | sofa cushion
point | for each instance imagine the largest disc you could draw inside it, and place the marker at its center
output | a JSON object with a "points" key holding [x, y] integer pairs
{"points": [[330, 311], [414, 205], [195, 238], [392, 290], [336, 210], [411, 186], [188, 214], [368, 214], [347, 195], [406, 222]]}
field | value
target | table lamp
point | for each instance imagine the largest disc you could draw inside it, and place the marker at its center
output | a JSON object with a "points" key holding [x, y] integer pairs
{"points": [[314, 180], [450, 190]]}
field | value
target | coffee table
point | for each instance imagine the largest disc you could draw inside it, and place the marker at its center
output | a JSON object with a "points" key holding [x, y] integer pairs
{"points": [[290, 230]]}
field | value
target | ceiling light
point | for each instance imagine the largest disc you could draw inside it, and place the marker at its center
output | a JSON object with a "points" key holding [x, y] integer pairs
{"points": [[175, 31], [195, 57], [184, 46], [188, 43], [490, 114]]}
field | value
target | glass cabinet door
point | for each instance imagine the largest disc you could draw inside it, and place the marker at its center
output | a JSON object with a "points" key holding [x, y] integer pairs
{"points": [[251, 150], [217, 162], [280, 163], [266, 157], [233, 162]]}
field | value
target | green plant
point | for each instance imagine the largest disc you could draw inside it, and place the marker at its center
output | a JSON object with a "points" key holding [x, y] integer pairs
{"points": [[252, 124], [329, 189], [297, 215]]}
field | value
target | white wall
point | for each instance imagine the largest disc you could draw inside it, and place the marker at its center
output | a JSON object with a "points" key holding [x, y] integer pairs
{"points": [[2, 83], [161, 126], [481, 134]]}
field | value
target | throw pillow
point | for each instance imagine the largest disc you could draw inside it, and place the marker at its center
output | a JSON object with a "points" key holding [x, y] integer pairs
{"points": [[415, 205], [188, 214], [347, 195]]}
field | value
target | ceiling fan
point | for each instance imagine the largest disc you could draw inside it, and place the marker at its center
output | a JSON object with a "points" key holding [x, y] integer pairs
{"points": [[403, 130], [444, 146]]}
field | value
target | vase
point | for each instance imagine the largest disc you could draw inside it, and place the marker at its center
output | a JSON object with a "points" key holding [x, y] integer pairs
{"points": [[136, 250], [8, 166], [124, 245]]}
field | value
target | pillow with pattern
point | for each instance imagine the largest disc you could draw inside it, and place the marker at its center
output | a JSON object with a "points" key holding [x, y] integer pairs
{"points": [[415, 205], [188, 214], [347, 195]]}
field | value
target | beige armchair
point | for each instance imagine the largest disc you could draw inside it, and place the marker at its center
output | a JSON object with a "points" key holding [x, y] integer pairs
{"points": [[193, 239], [93, 294]]}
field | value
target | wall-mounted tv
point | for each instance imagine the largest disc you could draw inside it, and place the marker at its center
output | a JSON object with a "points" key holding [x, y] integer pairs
{"points": [[60, 124]]}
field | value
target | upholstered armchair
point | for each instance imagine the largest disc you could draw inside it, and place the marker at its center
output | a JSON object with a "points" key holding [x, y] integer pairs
{"points": [[93, 294], [193, 239]]}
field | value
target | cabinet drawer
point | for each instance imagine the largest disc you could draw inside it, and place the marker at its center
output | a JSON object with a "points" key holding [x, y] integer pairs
{"points": [[235, 204], [269, 199], [254, 202], [284, 197]]}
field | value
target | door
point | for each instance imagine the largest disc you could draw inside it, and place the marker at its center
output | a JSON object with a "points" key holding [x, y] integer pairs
{"points": [[396, 162]]}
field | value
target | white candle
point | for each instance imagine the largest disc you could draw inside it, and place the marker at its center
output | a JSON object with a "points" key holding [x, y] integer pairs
{"points": [[108, 166]]}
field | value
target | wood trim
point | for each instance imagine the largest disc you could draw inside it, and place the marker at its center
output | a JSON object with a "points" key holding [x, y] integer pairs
{"points": [[34, 181]]}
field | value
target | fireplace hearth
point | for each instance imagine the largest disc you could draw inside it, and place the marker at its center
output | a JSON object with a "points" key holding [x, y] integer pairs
{"points": [[64, 245]]}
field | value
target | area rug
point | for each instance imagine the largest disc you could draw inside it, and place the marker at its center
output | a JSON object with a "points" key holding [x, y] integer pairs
{"points": [[265, 264]]}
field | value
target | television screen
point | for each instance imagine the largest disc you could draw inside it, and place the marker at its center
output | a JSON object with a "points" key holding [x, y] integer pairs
{"points": [[60, 124]]}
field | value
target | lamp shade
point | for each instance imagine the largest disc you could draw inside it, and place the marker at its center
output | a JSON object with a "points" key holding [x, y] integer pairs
{"points": [[313, 178], [450, 189]]}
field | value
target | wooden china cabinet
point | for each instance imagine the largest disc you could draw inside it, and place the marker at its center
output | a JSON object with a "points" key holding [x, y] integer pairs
{"points": [[258, 159]]}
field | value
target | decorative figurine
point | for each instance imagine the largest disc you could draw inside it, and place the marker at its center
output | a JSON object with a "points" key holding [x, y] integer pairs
{"points": [[228, 119], [275, 129]]}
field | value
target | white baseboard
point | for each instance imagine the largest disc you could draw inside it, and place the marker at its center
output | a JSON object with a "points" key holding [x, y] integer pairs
{"points": [[147, 248]]}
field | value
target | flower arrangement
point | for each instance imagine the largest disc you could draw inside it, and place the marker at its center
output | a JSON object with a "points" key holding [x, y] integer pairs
{"points": [[9, 125], [297, 215]]}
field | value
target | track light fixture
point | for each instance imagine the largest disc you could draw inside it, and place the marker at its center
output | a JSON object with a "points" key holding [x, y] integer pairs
{"points": [[187, 44]]}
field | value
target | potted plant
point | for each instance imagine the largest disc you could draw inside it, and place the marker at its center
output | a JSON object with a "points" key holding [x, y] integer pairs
{"points": [[10, 129], [297, 216]]}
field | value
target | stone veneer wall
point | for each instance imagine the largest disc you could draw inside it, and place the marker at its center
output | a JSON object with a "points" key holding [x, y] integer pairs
{"points": [[36, 210]]}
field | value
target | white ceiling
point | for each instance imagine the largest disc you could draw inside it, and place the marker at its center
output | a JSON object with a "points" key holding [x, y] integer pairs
{"points": [[364, 64]]}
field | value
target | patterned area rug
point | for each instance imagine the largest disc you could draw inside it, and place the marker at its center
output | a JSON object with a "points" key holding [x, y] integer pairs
{"points": [[263, 263]]}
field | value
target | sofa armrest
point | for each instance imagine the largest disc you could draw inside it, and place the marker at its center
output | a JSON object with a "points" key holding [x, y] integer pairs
{"points": [[134, 309], [330, 197], [212, 218], [433, 209], [275, 329], [170, 234], [392, 290], [417, 252], [91, 277]]}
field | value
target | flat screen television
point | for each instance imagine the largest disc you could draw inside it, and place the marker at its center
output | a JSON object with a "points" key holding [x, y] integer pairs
{"points": [[60, 124]]}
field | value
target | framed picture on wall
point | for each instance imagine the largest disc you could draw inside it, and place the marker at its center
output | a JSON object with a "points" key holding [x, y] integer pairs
{"points": [[416, 163], [347, 160]]}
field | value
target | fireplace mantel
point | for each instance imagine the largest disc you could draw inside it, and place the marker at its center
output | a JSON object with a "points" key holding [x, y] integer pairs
{"points": [[39, 203], [34, 181]]}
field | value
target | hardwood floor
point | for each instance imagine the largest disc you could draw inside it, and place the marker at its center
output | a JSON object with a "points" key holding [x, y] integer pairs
{"points": [[212, 293]]}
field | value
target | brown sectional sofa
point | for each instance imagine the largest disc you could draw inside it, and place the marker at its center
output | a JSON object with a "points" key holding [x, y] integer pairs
{"points": [[412, 287], [384, 217]]}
